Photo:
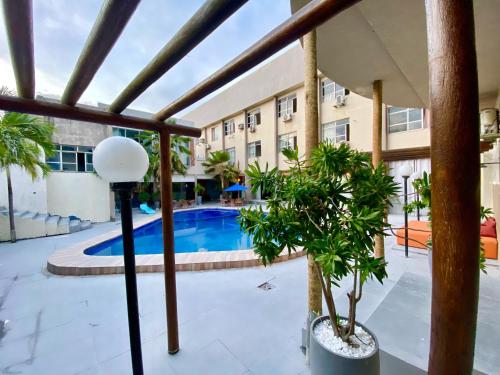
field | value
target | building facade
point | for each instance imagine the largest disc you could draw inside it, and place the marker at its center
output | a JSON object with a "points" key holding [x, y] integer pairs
{"points": [[73, 188], [264, 112]]}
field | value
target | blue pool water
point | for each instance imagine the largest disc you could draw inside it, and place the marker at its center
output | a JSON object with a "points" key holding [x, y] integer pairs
{"points": [[194, 230]]}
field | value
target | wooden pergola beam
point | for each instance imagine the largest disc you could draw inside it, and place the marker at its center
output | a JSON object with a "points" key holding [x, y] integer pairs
{"points": [[208, 18], [310, 16], [112, 19], [43, 108], [18, 17]]}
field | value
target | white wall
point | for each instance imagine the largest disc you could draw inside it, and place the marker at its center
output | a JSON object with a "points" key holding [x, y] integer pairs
{"points": [[28, 195], [81, 194]]}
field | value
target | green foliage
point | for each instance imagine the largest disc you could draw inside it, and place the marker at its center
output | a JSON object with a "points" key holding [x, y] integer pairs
{"points": [[199, 189], [156, 196], [151, 142], [261, 178], [423, 188], [144, 197], [24, 140], [219, 164], [332, 206]]}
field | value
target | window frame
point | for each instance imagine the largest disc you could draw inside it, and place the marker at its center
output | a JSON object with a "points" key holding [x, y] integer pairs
{"points": [[232, 154], [289, 136], [57, 159], [214, 134], [256, 146], [407, 123], [335, 125], [336, 91], [290, 102], [229, 127], [254, 117]]}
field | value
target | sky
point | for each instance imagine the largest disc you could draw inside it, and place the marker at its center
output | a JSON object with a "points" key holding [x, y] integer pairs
{"points": [[61, 28]]}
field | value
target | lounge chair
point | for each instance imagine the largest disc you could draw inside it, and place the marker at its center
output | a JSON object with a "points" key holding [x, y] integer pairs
{"points": [[146, 209]]}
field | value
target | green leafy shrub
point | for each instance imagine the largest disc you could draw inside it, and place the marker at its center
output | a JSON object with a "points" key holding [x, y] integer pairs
{"points": [[332, 207], [144, 197]]}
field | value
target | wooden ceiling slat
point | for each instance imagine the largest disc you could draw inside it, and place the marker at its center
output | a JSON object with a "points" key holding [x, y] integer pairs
{"points": [[112, 19], [18, 16], [208, 18], [43, 108], [303, 21]]}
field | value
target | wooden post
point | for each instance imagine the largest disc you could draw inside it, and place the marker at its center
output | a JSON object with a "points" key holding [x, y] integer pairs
{"points": [[377, 147], [454, 106], [311, 130], [168, 242]]}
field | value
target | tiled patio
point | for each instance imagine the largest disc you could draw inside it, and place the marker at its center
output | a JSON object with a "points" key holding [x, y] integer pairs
{"points": [[78, 325]]}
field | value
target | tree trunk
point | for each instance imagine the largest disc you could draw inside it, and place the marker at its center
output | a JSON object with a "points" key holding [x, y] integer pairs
{"points": [[11, 206], [377, 148], [311, 135]]}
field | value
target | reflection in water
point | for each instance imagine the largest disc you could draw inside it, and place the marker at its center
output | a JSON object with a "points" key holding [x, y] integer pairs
{"points": [[195, 230]]}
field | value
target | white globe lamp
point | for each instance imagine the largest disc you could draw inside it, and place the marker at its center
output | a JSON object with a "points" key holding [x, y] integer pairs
{"points": [[124, 162], [405, 170], [120, 159]]}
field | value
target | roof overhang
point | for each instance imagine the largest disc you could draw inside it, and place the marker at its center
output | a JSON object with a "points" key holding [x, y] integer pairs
{"points": [[387, 40]]}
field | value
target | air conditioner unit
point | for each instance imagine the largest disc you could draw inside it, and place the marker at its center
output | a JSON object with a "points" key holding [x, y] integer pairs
{"points": [[287, 117], [241, 126], [252, 128], [208, 147], [339, 101]]}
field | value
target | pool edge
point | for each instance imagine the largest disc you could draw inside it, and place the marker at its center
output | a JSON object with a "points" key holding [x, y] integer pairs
{"points": [[72, 261]]}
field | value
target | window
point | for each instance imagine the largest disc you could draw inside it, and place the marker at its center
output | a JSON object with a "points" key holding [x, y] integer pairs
{"points": [[72, 159], [215, 133], [232, 154], [254, 149], [330, 90], [129, 133], [336, 131], [287, 105], [228, 127], [287, 141], [403, 119], [253, 118]]}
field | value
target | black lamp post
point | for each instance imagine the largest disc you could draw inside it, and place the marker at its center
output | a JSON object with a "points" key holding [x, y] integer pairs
{"points": [[405, 170], [123, 162]]}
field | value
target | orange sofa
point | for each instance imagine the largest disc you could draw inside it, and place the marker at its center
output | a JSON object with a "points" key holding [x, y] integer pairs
{"points": [[419, 232]]}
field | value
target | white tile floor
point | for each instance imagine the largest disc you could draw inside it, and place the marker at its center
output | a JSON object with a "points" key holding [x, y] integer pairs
{"points": [[78, 325]]}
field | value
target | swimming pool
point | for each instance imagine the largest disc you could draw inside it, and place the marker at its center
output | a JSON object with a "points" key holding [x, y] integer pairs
{"points": [[194, 231]]}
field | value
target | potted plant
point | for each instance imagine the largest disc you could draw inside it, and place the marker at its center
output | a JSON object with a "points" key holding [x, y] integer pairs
{"points": [[199, 190], [331, 206]]}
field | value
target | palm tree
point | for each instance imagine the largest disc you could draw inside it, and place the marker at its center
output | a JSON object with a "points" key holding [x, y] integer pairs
{"points": [[24, 140], [151, 142], [314, 291], [219, 164]]}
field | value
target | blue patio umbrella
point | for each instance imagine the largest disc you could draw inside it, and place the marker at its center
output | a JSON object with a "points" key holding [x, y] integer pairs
{"points": [[236, 187]]}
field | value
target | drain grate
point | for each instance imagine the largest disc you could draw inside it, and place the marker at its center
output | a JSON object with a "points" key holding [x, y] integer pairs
{"points": [[266, 286]]}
